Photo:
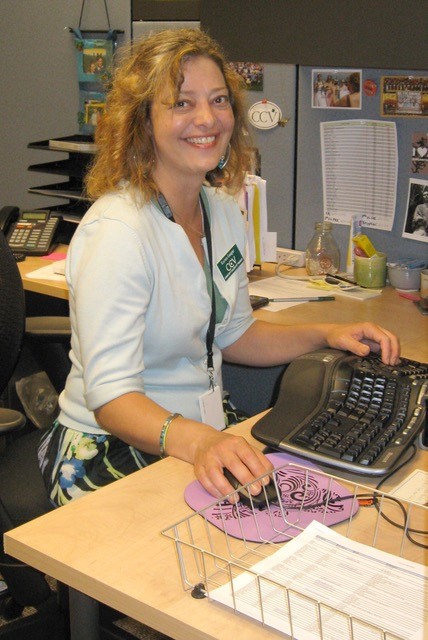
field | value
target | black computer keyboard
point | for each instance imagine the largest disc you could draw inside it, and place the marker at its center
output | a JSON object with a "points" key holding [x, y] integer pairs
{"points": [[352, 413]]}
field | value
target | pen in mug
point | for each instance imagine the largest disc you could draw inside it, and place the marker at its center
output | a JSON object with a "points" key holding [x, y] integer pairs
{"points": [[312, 299]]}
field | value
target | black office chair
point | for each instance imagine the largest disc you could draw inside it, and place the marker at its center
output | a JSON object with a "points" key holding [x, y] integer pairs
{"points": [[12, 323], [22, 492], [47, 338]]}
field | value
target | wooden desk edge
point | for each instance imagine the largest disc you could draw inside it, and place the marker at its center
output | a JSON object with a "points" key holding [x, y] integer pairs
{"points": [[53, 288], [37, 543]]}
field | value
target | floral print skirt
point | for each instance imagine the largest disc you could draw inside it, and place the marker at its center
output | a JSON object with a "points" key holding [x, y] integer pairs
{"points": [[74, 463]]}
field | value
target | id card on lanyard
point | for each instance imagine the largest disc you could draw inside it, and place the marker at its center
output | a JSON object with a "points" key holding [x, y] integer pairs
{"points": [[210, 402]]}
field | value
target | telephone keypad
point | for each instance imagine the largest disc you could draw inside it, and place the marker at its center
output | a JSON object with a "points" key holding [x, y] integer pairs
{"points": [[33, 237]]}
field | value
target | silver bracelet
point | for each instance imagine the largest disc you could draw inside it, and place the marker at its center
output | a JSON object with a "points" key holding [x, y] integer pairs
{"points": [[164, 432]]}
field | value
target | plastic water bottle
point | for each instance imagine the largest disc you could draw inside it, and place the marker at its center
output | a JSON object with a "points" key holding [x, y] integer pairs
{"points": [[322, 252]]}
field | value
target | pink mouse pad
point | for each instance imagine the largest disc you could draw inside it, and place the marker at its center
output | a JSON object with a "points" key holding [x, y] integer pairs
{"points": [[306, 495]]}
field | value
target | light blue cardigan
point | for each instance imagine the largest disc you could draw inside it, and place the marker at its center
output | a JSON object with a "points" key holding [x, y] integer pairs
{"points": [[140, 307]]}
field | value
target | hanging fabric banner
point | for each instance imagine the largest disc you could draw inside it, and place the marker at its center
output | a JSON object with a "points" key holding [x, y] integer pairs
{"points": [[94, 71]]}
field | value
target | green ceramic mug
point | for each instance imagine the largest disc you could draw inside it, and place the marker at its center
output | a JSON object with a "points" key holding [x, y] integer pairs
{"points": [[370, 272]]}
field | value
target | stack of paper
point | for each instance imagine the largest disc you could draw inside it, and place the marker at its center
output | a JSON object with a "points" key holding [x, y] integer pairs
{"points": [[323, 576], [261, 245], [294, 287], [53, 271], [282, 287]]}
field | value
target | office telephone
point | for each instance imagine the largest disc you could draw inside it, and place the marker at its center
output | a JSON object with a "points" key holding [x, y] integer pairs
{"points": [[29, 232]]}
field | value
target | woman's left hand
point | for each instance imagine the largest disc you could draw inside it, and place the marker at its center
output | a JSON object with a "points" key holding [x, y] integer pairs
{"points": [[362, 337]]}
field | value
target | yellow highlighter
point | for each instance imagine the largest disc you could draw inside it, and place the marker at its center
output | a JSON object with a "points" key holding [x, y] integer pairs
{"points": [[363, 242]]}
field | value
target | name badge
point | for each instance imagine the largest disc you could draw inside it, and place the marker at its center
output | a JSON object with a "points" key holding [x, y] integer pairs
{"points": [[230, 262], [211, 406]]}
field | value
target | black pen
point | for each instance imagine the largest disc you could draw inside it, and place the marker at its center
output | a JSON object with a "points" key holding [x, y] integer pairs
{"points": [[330, 278], [312, 299]]}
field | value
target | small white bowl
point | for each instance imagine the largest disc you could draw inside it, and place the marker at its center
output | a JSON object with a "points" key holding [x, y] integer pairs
{"points": [[404, 278]]}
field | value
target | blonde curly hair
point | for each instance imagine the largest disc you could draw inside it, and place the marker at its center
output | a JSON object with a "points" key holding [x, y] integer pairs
{"points": [[125, 147]]}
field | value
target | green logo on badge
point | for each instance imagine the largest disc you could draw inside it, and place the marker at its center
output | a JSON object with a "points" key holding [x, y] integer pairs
{"points": [[230, 262]]}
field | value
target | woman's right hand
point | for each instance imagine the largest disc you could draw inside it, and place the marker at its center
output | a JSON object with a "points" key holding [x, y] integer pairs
{"points": [[218, 450]]}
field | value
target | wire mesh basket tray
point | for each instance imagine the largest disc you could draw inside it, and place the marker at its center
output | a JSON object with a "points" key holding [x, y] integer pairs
{"points": [[277, 566]]}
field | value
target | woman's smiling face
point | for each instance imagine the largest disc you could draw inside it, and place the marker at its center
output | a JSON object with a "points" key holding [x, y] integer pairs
{"points": [[191, 136]]}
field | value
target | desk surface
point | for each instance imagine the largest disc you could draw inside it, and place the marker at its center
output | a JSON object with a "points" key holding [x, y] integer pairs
{"points": [[389, 309], [46, 287], [118, 555]]}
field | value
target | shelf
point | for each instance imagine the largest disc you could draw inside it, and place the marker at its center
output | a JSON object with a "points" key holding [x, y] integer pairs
{"points": [[67, 190], [80, 149], [73, 167], [80, 144]]}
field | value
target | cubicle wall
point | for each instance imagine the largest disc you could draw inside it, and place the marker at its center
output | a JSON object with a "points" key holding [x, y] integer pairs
{"points": [[276, 147], [151, 16], [40, 93], [331, 34], [309, 193], [291, 159], [291, 155], [279, 33]]}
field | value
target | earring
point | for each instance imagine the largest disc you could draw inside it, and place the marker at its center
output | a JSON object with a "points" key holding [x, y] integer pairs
{"points": [[225, 158]]}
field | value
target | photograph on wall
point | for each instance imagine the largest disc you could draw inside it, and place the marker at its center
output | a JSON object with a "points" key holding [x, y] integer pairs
{"points": [[420, 153], [404, 96], [336, 88], [91, 107], [93, 111], [251, 72], [94, 59], [416, 222]]}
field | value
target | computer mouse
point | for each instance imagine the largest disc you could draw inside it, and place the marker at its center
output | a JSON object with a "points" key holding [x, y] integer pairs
{"points": [[262, 499]]}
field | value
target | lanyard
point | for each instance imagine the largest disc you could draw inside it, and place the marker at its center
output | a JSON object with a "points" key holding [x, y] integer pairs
{"points": [[211, 325]]}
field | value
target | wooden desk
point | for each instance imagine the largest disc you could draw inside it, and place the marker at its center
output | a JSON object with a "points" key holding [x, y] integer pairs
{"points": [[118, 555], [46, 287], [389, 309], [108, 545]]}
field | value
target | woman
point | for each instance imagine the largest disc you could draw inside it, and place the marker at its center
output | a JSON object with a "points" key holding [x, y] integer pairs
{"points": [[353, 97], [142, 269]]}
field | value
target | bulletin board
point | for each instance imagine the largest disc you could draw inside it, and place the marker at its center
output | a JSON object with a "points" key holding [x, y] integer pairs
{"points": [[393, 100]]}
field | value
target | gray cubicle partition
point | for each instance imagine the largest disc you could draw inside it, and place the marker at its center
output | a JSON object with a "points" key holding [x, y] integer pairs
{"points": [[366, 33], [287, 34], [152, 16], [309, 194], [277, 149], [291, 159]]}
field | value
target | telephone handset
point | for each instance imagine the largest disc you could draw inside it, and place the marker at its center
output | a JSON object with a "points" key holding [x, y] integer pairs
{"points": [[8, 215], [30, 232]]}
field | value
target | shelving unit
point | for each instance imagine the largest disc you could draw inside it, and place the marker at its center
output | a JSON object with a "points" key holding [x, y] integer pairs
{"points": [[74, 167]]}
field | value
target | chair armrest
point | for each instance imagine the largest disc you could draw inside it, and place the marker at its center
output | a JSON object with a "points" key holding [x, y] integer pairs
{"points": [[48, 328], [10, 420]]}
